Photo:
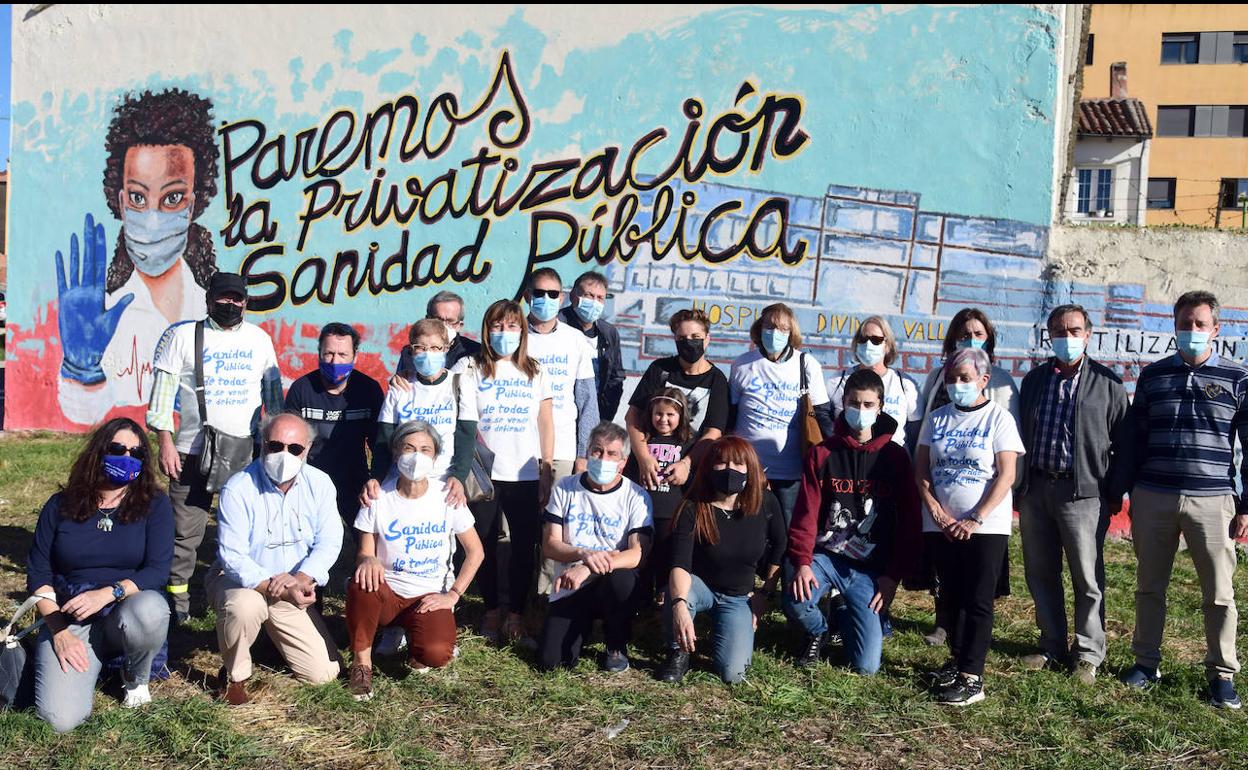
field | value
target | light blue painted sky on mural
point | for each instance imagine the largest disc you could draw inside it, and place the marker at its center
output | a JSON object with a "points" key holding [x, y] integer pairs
{"points": [[6, 66], [952, 103]]}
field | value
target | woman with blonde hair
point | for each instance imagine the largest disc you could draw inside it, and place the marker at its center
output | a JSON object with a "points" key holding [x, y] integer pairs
{"points": [[875, 348]]}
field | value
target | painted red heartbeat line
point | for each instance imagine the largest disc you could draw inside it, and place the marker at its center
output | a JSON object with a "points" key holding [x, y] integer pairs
{"points": [[135, 370]]}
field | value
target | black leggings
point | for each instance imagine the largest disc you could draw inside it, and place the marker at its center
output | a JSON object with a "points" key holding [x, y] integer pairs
{"points": [[657, 566], [570, 619], [968, 572], [517, 501]]}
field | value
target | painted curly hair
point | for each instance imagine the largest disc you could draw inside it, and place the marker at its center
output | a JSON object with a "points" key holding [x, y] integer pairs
{"points": [[171, 117]]}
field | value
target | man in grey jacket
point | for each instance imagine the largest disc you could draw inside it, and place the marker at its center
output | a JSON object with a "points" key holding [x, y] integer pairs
{"points": [[1072, 411]]}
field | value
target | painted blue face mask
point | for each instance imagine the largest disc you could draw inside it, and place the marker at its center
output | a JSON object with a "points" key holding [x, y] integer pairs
{"points": [[971, 342], [1068, 349], [964, 394], [589, 310], [429, 363], [543, 308], [860, 419], [122, 469], [1192, 343], [155, 239], [505, 343], [336, 373], [775, 340], [601, 471]]}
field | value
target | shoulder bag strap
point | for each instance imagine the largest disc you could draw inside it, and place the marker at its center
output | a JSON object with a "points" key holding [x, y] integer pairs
{"points": [[199, 373]]}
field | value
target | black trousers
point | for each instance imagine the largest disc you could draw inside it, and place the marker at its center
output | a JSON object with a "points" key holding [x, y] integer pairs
{"points": [[657, 566], [517, 501], [570, 619], [968, 571]]}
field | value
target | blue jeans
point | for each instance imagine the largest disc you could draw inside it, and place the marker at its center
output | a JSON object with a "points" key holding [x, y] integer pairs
{"points": [[785, 492], [860, 627], [137, 627], [732, 637]]}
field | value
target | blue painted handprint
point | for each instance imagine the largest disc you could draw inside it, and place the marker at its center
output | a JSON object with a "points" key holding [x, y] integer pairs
{"points": [[86, 327]]}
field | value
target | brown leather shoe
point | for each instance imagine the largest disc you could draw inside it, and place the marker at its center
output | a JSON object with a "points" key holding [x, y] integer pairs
{"points": [[360, 682], [233, 693]]}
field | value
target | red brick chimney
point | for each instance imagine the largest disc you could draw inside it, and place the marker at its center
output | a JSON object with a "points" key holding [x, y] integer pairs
{"points": [[1118, 80]]}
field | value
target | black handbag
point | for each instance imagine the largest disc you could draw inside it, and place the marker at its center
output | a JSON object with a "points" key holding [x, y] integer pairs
{"points": [[17, 679], [223, 455]]}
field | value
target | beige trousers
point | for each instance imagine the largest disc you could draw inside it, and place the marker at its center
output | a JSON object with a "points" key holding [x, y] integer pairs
{"points": [[1157, 520], [298, 633]]}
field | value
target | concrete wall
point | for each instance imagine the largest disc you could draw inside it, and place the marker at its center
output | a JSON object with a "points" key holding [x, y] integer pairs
{"points": [[866, 160]]}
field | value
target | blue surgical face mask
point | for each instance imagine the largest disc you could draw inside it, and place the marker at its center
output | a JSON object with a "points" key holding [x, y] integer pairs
{"points": [[964, 394], [1192, 343], [1068, 349], [602, 471], [971, 342], [122, 469], [505, 343], [868, 353], [589, 310], [429, 363], [860, 419], [543, 308], [155, 239], [336, 373], [774, 340]]}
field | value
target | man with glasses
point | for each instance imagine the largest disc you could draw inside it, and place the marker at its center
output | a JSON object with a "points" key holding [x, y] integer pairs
{"points": [[589, 299], [447, 307], [568, 359], [240, 375], [278, 534], [342, 405]]}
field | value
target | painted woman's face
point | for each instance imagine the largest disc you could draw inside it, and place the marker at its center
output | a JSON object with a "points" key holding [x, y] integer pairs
{"points": [[158, 178]]}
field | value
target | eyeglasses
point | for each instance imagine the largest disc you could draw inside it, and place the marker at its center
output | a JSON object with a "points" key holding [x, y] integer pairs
{"points": [[552, 293], [453, 322], [875, 339], [273, 447], [416, 348], [116, 448]]}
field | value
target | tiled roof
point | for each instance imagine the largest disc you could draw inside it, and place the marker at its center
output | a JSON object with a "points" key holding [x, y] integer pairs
{"points": [[1113, 117]]}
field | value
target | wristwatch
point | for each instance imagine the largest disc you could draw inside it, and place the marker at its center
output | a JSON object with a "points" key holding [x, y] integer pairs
{"points": [[119, 591], [976, 518]]}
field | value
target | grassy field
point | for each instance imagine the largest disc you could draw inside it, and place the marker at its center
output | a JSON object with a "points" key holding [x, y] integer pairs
{"points": [[490, 709]]}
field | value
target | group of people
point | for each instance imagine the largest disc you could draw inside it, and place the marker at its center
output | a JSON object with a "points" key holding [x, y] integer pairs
{"points": [[496, 462]]}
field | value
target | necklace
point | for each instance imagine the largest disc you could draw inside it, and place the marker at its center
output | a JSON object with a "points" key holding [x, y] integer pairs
{"points": [[106, 521]]}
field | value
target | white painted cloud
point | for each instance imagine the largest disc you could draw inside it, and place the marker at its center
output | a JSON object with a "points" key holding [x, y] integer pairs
{"points": [[569, 105]]}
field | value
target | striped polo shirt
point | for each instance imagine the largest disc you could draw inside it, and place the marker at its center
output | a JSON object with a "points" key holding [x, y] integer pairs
{"points": [[1185, 422]]}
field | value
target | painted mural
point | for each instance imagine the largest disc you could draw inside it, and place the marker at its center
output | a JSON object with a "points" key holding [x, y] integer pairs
{"points": [[849, 161]]}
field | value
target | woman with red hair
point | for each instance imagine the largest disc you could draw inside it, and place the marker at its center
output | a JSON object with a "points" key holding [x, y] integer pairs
{"points": [[724, 534]]}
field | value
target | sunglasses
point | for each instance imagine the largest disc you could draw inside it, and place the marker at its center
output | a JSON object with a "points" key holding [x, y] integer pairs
{"points": [[117, 449], [273, 447], [875, 340], [552, 293]]}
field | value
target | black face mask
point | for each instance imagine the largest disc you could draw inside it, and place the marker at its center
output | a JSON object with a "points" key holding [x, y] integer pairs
{"points": [[226, 315], [690, 350], [728, 481]]}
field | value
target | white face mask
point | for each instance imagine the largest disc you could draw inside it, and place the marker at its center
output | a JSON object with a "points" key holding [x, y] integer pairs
{"points": [[450, 333], [282, 466], [414, 465]]}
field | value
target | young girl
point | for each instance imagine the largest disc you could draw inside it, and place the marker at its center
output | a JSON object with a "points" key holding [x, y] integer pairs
{"points": [[669, 438]]}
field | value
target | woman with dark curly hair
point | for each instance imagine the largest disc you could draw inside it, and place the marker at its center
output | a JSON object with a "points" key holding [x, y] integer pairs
{"points": [[160, 175], [102, 549]]}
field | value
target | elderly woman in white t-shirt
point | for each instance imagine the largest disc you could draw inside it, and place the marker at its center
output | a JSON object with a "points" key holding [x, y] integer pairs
{"points": [[765, 387], [404, 567], [875, 348], [964, 467]]}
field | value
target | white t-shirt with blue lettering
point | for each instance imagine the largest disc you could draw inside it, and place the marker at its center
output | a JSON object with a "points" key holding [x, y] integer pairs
{"points": [[597, 521], [567, 355], [766, 394], [963, 459], [235, 363], [505, 408], [416, 538], [437, 404], [901, 399]]}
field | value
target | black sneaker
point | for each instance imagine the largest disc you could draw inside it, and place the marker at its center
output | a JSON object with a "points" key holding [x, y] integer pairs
{"points": [[676, 667], [1222, 694], [615, 662], [944, 676], [964, 691], [1141, 677], [810, 651]]}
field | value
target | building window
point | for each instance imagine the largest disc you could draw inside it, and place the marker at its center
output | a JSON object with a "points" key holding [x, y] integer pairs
{"points": [[1160, 193], [1175, 121], [1087, 57], [1180, 48], [1228, 196], [1094, 199], [1218, 120], [1239, 48]]}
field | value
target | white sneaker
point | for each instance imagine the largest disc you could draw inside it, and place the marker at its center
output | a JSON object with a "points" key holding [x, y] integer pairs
{"points": [[393, 641], [136, 695]]}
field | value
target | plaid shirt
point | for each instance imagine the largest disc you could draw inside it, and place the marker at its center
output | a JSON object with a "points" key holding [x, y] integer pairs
{"points": [[1055, 423]]}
